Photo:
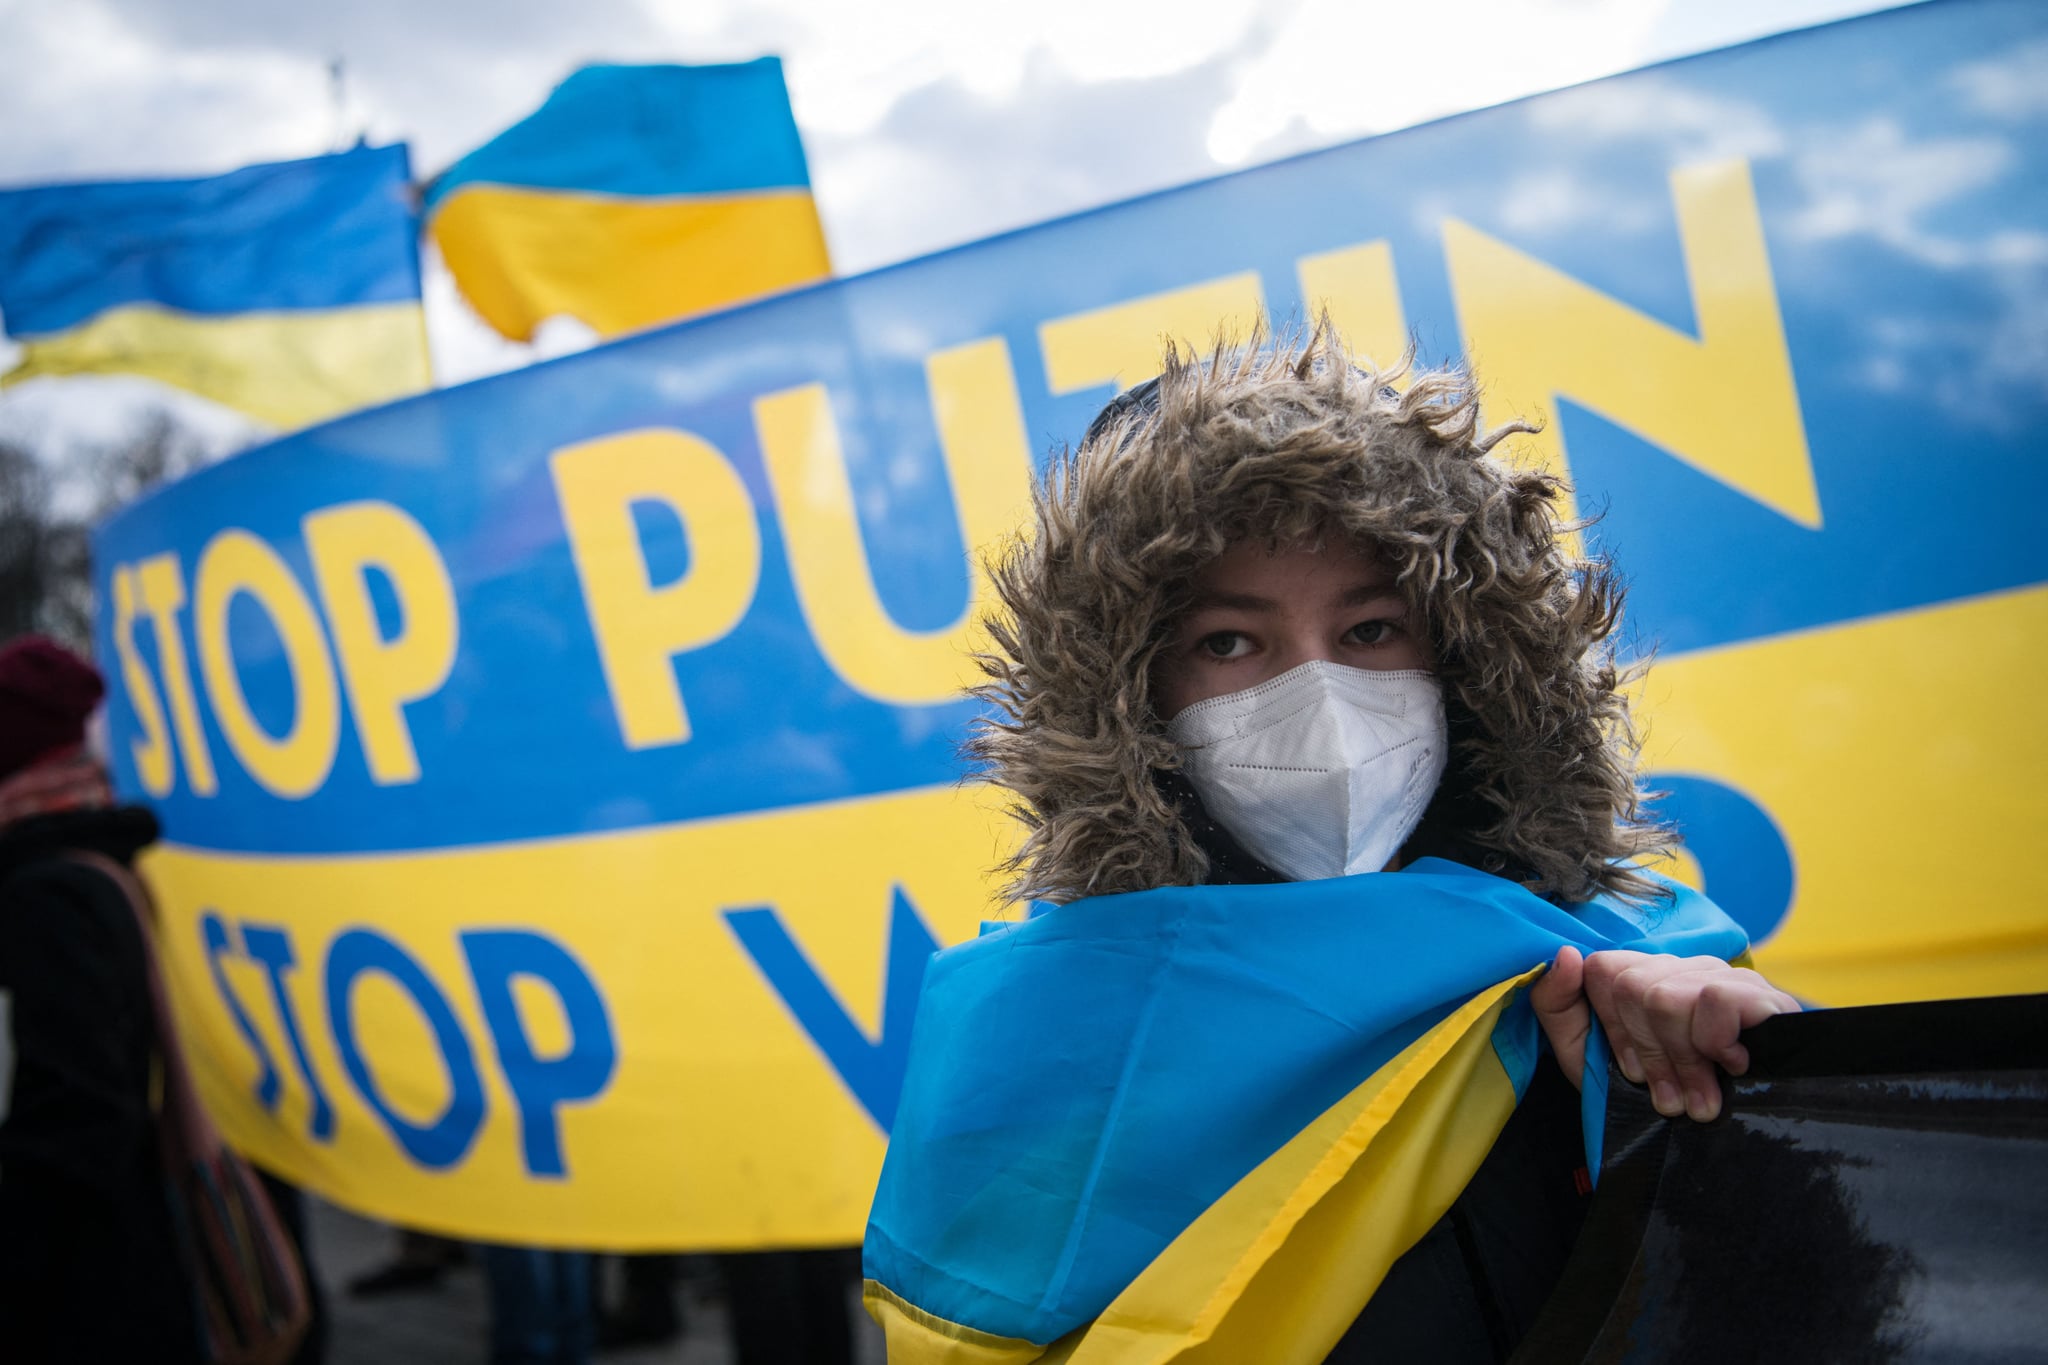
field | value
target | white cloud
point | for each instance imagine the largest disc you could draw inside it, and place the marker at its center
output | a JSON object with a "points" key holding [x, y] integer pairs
{"points": [[1546, 202], [1873, 180], [948, 165], [1924, 198], [2014, 354], [1338, 68], [850, 64], [1986, 371], [1697, 126], [83, 95], [2013, 86], [204, 85]]}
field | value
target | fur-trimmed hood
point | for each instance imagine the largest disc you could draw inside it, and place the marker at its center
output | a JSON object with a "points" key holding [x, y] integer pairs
{"points": [[1290, 443]]}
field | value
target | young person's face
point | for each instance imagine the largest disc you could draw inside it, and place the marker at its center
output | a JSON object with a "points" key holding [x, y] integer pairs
{"points": [[1260, 612]]}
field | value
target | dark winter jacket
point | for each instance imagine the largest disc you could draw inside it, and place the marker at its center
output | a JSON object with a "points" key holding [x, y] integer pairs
{"points": [[88, 1265]]}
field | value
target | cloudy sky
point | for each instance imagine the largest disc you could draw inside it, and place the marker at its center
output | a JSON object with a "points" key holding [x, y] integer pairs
{"points": [[928, 122]]}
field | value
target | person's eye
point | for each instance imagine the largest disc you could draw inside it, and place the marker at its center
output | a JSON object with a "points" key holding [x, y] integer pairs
{"points": [[1375, 632], [1224, 644]]}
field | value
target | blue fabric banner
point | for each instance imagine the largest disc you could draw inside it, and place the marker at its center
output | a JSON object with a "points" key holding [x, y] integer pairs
{"points": [[650, 657]]}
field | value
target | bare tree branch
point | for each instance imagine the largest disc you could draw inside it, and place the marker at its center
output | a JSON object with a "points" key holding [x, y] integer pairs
{"points": [[46, 550]]}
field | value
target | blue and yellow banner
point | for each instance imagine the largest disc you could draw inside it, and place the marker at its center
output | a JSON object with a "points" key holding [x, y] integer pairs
{"points": [[289, 291], [560, 770], [635, 195]]}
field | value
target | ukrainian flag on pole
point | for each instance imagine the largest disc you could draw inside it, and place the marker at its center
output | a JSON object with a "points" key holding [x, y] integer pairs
{"points": [[634, 196], [289, 291]]}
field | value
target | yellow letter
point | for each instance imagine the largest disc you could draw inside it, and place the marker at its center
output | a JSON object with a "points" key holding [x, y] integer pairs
{"points": [[1121, 344], [981, 440], [163, 597], [640, 627], [294, 766], [1724, 403], [1357, 285], [153, 749], [383, 675]]}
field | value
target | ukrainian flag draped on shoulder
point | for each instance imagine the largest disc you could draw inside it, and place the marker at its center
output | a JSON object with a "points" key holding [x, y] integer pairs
{"points": [[635, 195], [1199, 1124], [289, 291]]}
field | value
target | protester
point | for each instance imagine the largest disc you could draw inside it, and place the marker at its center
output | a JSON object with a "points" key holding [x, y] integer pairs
{"points": [[1281, 620], [419, 1262], [541, 1307], [647, 1313], [789, 1307], [89, 1266]]}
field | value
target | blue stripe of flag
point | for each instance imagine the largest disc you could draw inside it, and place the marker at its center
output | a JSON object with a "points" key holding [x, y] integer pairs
{"points": [[648, 131], [327, 232]]}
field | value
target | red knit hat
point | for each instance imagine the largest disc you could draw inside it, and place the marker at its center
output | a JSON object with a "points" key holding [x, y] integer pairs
{"points": [[46, 693]]}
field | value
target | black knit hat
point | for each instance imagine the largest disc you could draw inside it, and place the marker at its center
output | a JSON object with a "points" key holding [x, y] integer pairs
{"points": [[46, 694]]}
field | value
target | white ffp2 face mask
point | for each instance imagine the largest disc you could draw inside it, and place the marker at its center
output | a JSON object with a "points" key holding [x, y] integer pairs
{"points": [[1321, 772]]}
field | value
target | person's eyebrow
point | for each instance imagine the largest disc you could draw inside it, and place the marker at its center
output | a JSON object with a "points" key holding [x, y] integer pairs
{"points": [[1365, 594], [1237, 601]]}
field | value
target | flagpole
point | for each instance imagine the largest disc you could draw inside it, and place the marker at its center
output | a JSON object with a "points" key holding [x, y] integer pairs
{"points": [[337, 92]]}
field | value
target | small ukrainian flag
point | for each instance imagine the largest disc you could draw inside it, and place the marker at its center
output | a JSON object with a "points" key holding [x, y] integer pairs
{"points": [[289, 291], [1199, 1124], [636, 195]]}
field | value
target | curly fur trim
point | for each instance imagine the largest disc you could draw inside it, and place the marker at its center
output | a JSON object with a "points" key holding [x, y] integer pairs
{"points": [[1289, 443]]}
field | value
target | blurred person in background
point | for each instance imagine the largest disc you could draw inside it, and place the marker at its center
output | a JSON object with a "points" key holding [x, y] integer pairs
{"points": [[648, 1311], [541, 1307], [419, 1262], [89, 1265], [791, 1307]]}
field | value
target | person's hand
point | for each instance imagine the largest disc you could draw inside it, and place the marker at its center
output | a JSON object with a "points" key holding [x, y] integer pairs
{"points": [[1669, 1020]]}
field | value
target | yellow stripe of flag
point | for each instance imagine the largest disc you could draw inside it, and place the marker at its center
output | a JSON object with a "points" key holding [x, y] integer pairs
{"points": [[287, 368], [621, 263]]}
